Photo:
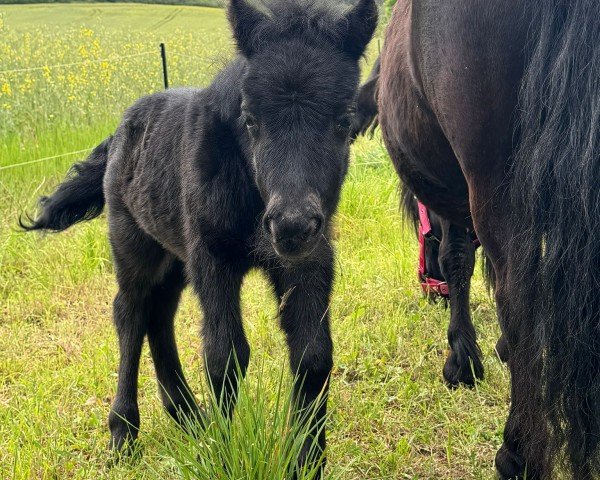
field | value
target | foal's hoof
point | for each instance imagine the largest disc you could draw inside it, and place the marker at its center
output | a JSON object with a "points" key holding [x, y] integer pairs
{"points": [[192, 420], [502, 349], [124, 427], [122, 444], [310, 459], [463, 372], [123, 449], [317, 475], [511, 466]]}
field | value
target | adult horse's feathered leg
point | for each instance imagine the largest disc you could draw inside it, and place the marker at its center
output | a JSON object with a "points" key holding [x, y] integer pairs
{"points": [[457, 262]]}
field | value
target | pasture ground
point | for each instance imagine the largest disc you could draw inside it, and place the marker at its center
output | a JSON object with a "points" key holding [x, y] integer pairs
{"points": [[391, 415]]}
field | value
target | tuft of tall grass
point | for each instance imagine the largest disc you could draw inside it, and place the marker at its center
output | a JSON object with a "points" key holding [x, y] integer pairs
{"points": [[262, 441]]}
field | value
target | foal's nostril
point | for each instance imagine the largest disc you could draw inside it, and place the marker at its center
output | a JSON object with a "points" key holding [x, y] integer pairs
{"points": [[313, 227], [315, 224], [267, 224]]}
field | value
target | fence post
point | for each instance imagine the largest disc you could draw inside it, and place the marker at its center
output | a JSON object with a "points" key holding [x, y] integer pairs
{"points": [[163, 54]]}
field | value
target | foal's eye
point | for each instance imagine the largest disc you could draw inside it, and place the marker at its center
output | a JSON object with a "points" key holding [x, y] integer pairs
{"points": [[251, 124], [344, 124]]}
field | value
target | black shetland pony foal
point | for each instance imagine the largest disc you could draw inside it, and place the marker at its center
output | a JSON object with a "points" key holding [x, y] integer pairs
{"points": [[203, 185]]}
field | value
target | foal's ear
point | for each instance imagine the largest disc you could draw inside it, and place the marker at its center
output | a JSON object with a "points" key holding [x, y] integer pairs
{"points": [[361, 22], [245, 21]]}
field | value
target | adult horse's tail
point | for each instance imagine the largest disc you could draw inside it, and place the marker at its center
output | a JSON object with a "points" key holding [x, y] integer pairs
{"points": [[79, 198], [553, 275]]}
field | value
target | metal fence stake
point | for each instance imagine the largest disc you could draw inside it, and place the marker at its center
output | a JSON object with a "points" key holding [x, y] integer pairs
{"points": [[163, 54]]}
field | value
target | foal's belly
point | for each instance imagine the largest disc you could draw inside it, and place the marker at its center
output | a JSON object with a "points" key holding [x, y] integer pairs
{"points": [[153, 201], [414, 139]]}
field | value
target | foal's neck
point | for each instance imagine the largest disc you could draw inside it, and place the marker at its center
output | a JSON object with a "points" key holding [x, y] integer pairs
{"points": [[226, 90]]}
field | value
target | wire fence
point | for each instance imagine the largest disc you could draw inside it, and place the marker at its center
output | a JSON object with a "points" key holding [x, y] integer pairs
{"points": [[112, 59], [40, 160], [74, 64]]}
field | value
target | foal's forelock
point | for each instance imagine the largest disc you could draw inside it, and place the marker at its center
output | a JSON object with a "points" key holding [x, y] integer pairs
{"points": [[272, 21]]}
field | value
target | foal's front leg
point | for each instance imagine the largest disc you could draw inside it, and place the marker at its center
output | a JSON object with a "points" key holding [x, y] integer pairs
{"points": [[304, 292], [218, 283]]}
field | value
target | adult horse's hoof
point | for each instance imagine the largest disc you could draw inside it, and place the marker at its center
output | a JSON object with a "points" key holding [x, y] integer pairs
{"points": [[462, 370], [511, 466], [502, 349]]}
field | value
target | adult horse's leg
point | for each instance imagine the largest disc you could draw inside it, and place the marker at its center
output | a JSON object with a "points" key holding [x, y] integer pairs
{"points": [[452, 259], [226, 349], [479, 124], [525, 437], [174, 390], [502, 348], [304, 292], [457, 262], [137, 260], [523, 450]]}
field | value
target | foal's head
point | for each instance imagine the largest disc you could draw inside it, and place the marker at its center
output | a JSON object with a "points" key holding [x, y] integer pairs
{"points": [[297, 103]]}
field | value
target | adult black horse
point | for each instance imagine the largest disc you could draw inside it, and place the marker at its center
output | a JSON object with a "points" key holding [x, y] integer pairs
{"points": [[203, 185], [491, 114], [447, 258]]}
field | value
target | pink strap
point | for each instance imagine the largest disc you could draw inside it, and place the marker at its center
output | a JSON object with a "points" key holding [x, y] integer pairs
{"points": [[425, 223], [429, 285], [437, 287]]}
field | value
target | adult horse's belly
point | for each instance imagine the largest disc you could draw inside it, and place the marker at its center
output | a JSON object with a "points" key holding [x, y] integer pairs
{"points": [[414, 139]]}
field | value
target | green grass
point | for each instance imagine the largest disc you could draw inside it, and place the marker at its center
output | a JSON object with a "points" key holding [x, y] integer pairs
{"points": [[391, 415]]}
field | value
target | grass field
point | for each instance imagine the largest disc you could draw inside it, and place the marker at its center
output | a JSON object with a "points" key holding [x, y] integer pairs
{"points": [[391, 415]]}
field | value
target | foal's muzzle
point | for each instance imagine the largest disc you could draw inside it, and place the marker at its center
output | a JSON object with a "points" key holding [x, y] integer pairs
{"points": [[294, 232]]}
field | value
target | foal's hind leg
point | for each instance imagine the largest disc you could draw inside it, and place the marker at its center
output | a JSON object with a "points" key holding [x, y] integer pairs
{"points": [[457, 261], [130, 311], [140, 265], [174, 390]]}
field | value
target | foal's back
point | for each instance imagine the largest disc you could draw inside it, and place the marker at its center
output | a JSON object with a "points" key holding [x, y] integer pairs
{"points": [[172, 145]]}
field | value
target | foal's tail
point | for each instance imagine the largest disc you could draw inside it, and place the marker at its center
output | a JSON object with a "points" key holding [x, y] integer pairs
{"points": [[79, 198], [553, 276]]}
